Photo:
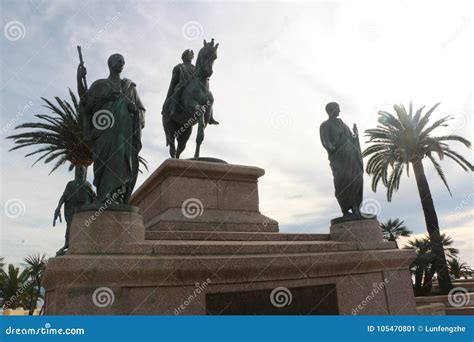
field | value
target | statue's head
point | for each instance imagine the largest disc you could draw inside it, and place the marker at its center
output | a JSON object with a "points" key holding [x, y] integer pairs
{"points": [[116, 63], [81, 172], [332, 108], [187, 56], [206, 57]]}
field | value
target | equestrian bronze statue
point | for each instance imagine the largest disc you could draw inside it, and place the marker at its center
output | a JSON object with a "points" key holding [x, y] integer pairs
{"points": [[189, 100]]}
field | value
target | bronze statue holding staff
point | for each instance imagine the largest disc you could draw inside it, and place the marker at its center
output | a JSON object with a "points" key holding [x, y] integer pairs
{"points": [[113, 117], [345, 159]]}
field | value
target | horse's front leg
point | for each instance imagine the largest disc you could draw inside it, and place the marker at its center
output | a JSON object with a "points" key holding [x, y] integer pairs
{"points": [[199, 136]]}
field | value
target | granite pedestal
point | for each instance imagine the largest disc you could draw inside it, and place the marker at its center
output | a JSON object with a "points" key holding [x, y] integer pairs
{"points": [[221, 256]]}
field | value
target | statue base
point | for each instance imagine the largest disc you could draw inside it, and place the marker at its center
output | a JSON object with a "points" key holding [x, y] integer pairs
{"points": [[100, 207], [117, 265], [197, 195], [209, 160], [352, 217]]}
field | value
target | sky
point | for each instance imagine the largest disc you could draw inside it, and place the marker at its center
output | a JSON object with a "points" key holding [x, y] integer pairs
{"points": [[278, 65]]}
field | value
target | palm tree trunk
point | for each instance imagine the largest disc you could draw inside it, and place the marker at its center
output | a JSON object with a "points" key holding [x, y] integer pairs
{"points": [[32, 295], [428, 280], [418, 280], [432, 225]]}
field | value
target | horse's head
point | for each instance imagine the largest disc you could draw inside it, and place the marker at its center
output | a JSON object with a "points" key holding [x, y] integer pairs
{"points": [[206, 57]]}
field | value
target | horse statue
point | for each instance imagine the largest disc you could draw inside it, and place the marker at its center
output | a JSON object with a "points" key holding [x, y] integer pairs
{"points": [[190, 103]]}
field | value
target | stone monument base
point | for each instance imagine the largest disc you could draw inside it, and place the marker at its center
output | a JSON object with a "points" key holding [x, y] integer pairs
{"points": [[117, 267]]}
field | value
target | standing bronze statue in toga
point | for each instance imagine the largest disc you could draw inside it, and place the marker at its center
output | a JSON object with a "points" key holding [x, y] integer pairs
{"points": [[113, 118], [345, 159]]}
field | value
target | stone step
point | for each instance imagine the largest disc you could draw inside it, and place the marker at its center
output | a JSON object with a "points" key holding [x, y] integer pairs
{"points": [[175, 247], [232, 236]]}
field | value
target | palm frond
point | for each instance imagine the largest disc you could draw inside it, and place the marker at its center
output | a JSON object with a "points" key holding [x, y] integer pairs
{"points": [[440, 172], [59, 135]]}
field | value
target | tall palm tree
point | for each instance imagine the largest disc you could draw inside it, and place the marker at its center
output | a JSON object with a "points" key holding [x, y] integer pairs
{"points": [[407, 139], [35, 266], [14, 284], [393, 229], [459, 269], [59, 134]]}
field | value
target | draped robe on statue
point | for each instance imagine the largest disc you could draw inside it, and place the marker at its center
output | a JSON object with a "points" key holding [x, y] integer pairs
{"points": [[346, 163], [113, 119]]}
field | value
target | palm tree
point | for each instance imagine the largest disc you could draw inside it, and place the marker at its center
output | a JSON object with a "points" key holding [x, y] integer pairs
{"points": [[407, 139], [423, 268], [421, 264], [393, 229], [445, 241], [60, 135], [35, 266], [14, 284], [459, 269]]}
